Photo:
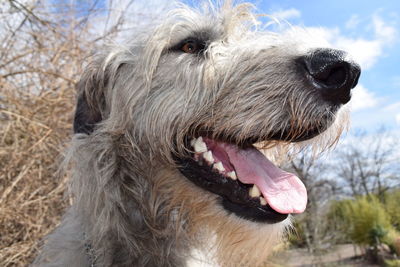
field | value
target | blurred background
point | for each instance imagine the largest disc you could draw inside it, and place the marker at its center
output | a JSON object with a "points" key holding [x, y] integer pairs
{"points": [[353, 214]]}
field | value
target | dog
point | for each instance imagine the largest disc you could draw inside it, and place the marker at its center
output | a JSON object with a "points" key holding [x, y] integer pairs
{"points": [[166, 162]]}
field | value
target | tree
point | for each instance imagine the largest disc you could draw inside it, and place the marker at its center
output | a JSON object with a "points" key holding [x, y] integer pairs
{"points": [[368, 164]]}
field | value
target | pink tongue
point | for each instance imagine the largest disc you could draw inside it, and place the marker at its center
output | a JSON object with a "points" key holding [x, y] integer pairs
{"points": [[284, 192]]}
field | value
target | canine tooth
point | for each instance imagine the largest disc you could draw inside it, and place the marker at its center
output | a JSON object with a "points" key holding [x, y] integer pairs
{"points": [[192, 142], [200, 146], [232, 175], [219, 166], [254, 191], [208, 157], [263, 202]]}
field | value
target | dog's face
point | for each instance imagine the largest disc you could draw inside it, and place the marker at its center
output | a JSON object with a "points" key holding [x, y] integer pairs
{"points": [[201, 90], [233, 87]]}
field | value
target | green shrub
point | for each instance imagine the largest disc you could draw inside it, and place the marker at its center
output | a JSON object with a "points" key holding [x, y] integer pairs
{"points": [[392, 205], [392, 239], [339, 221], [392, 263], [364, 220]]}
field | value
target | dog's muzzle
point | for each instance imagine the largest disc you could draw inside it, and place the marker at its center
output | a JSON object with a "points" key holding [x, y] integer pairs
{"points": [[331, 73], [248, 184]]}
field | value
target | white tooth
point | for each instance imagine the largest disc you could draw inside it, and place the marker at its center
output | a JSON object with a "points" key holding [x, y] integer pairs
{"points": [[263, 202], [208, 157], [200, 146], [219, 166], [232, 175], [254, 191], [192, 142]]}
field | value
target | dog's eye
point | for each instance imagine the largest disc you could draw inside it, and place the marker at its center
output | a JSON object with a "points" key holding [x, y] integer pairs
{"points": [[192, 46]]}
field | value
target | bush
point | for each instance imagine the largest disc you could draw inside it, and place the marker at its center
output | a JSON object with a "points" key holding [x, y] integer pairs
{"points": [[392, 239], [364, 220], [392, 263], [392, 201]]}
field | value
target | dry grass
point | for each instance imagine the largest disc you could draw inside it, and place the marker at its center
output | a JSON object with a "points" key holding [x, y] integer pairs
{"points": [[33, 131], [41, 53]]}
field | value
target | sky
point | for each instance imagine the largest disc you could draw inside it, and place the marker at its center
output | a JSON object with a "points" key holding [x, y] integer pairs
{"points": [[368, 30]]}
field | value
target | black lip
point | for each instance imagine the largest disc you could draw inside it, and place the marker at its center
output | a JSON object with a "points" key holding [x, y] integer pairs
{"points": [[286, 136], [282, 135], [234, 195]]}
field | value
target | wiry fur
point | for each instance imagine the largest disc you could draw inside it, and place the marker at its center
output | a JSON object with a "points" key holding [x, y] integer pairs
{"points": [[131, 204]]}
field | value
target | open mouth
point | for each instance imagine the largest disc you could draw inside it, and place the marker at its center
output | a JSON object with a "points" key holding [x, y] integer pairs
{"points": [[248, 183]]}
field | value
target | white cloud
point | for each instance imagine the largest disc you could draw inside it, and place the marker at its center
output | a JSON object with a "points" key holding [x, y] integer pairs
{"points": [[362, 98], [364, 51], [393, 110], [393, 107], [383, 31], [398, 118], [382, 113], [286, 14], [353, 22]]}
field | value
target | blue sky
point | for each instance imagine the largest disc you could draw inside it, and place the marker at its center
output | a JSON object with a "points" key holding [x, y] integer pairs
{"points": [[369, 30]]}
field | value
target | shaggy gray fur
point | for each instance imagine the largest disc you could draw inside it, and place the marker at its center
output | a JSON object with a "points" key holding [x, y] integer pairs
{"points": [[138, 104]]}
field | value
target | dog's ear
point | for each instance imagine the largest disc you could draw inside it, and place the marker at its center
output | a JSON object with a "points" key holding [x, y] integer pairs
{"points": [[91, 102]]}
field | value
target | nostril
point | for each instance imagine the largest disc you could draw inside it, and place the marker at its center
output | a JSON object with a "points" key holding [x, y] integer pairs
{"points": [[331, 76]]}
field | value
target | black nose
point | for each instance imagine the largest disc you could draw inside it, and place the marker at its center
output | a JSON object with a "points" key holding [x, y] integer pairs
{"points": [[332, 74]]}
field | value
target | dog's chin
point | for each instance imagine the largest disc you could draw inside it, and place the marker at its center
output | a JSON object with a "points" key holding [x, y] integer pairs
{"points": [[219, 167]]}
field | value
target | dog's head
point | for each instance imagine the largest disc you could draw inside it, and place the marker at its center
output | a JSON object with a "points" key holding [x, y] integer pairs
{"points": [[198, 91]]}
